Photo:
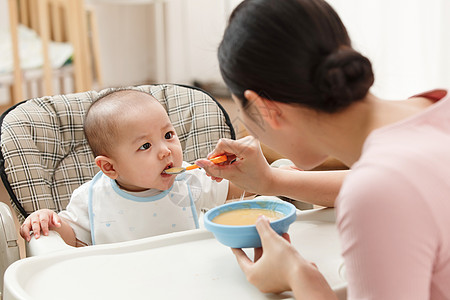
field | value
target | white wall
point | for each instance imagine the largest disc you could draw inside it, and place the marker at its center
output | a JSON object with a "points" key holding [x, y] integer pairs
{"points": [[4, 20], [408, 42], [194, 29], [126, 36]]}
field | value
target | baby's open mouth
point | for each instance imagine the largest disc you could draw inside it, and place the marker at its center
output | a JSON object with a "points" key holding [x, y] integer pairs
{"points": [[167, 167]]}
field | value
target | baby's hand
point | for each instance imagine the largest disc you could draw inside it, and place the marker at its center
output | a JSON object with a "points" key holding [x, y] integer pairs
{"points": [[41, 220]]}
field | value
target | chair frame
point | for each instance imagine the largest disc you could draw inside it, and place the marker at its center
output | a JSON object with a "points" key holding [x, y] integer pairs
{"points": [[17, 204], [4, 178]]}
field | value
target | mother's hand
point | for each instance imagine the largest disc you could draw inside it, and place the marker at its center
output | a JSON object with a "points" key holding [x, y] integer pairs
{"points": [[278, 267], [270, 270], [249, 171]]}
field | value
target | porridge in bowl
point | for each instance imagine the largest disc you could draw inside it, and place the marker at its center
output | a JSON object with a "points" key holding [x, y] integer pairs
{"points": [[246, 216]]}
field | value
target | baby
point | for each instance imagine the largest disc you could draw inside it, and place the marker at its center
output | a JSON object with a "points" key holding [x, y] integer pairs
{"points": [[131, 197]]}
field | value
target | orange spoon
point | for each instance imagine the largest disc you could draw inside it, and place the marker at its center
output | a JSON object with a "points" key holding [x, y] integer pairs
{"points": [[179, 170]]}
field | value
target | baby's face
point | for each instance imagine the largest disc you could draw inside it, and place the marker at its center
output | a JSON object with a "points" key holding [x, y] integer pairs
{"points": [[146, 146]]}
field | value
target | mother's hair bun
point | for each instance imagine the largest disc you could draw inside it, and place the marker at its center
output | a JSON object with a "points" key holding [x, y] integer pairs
{"points": [[342, 78]]}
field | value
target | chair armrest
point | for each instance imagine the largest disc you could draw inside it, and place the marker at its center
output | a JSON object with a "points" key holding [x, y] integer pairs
{"points": [[7, 226], [9, 250], [51, 243]]}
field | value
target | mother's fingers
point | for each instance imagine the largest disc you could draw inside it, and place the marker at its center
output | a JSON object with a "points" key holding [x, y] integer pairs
{"points": [[217, 172], [266, 233], [234, 147], [244, 262]]}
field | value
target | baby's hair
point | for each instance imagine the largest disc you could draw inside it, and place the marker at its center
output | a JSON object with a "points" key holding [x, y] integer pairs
{"points": [[101, 125], [293, 51]]}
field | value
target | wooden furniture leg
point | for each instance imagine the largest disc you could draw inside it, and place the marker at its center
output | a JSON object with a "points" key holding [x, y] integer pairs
{"points": [[17, 92]]}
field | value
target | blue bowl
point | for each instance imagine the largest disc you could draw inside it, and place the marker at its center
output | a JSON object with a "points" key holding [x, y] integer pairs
{"points": [[247, 236]]}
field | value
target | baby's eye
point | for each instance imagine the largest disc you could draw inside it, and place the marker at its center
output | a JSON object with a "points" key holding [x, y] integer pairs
{"points": [[145, 146], [168, 135]]}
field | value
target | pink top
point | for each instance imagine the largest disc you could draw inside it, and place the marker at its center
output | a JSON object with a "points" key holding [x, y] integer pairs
{"points": [[393, 211]]}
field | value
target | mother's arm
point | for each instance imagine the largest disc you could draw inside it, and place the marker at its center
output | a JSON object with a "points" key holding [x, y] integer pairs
{"points": [[252, 173]]}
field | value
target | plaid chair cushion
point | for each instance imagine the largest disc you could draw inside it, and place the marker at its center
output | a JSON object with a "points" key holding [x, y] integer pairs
{"points": [[45, 156]]}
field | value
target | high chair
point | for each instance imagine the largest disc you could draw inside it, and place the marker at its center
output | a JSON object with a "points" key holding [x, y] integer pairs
{"points": [[58, 21], [45, 156]]}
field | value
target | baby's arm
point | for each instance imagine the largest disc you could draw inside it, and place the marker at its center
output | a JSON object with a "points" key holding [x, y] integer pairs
{"points": [[45, 220]]}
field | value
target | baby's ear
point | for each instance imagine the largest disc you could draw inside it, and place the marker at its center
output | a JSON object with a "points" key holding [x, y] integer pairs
{"points": [[106, 164]]}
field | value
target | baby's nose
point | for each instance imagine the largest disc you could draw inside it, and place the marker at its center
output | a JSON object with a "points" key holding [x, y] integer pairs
{"points": [[165, 151]]}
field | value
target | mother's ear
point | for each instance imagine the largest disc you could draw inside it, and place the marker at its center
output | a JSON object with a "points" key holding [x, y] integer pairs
{"points": [[261, 108], [106, 164]]}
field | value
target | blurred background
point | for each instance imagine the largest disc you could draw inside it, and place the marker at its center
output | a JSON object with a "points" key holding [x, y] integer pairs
{"points": [[134, 42], [52, 47]]}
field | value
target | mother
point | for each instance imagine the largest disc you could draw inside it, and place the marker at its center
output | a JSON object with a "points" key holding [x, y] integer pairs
{"points": [[304, 91]]}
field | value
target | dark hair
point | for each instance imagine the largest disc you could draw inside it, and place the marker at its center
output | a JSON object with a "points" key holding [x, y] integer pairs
{"points": [[293, 51]]}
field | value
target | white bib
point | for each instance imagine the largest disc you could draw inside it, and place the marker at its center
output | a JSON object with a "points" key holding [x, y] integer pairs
{"points": [[100, 212], [115, 214]]}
